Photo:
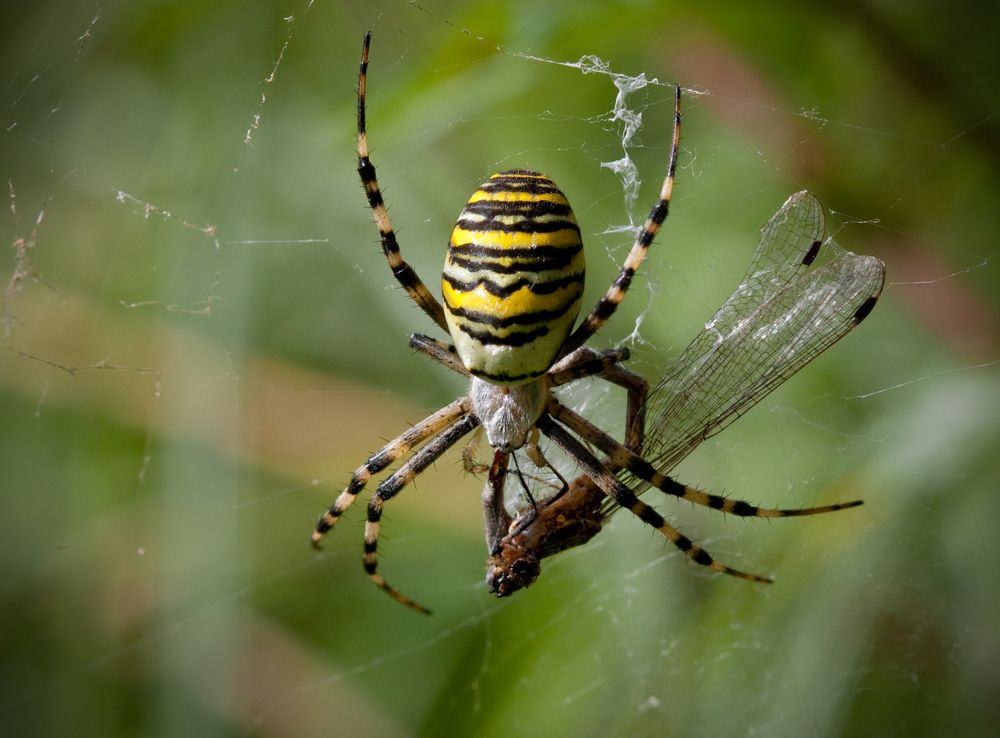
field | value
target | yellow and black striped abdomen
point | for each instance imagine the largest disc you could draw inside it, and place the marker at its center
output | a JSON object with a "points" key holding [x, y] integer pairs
{"points": [[513, 277]]}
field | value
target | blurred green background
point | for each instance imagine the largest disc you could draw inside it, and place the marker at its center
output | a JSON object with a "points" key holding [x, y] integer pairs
{"points": [[202, 340]]}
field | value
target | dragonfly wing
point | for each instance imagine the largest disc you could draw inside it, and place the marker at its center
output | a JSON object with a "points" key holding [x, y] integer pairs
{"points": [[738, 359], [789, 243]]}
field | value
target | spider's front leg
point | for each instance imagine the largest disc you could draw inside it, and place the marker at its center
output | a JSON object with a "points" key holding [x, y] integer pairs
{"points": [[496, 519], [402, 271], [607, 305], [500, 525], [608, 365]]}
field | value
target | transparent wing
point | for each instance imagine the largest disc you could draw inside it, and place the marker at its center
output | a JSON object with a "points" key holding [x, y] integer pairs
{"points": [[788, 244], [778, 319]]}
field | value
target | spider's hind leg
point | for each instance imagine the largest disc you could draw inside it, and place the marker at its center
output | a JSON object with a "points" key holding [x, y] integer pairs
{"points": [[614, 488], [620, 457], [392, 485], [607, 305], [395, 449]]}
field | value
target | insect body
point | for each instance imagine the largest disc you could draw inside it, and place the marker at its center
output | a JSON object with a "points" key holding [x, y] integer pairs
{"points": [[512, 287], [784, 313]]}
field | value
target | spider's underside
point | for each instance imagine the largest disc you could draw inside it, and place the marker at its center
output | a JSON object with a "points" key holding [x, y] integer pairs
{"points": [[512, 287]]}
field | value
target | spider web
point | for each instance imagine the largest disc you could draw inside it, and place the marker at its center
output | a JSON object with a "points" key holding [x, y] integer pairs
{"points": [[202, 340]]}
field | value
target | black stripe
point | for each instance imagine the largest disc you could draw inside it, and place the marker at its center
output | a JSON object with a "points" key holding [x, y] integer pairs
{"points": [[604, 309], [659, 212], [538, 288], [527, 266], [362, 78], [535, 316], [811, 253], [379, 461], [534, 186], [524, 226], [368, 177], [702, 556], [529, 208], [649, 516], [504, 377], [530, 253], [683, 543], [644, 470], [866, 307], [389, 487], [366, 169], [657, 215], [624, 278], [511, 339], [405, 275], [389, 244]]}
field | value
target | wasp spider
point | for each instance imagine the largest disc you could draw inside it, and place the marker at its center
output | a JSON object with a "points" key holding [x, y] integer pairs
{"points": [[512, 286]]}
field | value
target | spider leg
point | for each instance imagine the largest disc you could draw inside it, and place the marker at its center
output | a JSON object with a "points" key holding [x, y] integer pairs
{"points": [[614, 488], [441, 352], [607, 305], [446, 416], [392, 485], [619, 457], [496, 519], [607, 365], [469, 463], [403, 272]]}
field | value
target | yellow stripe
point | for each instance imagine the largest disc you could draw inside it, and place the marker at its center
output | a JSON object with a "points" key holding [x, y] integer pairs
{"points": [[518, 303], [520, 175], [514, 239], [519, 196]]}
